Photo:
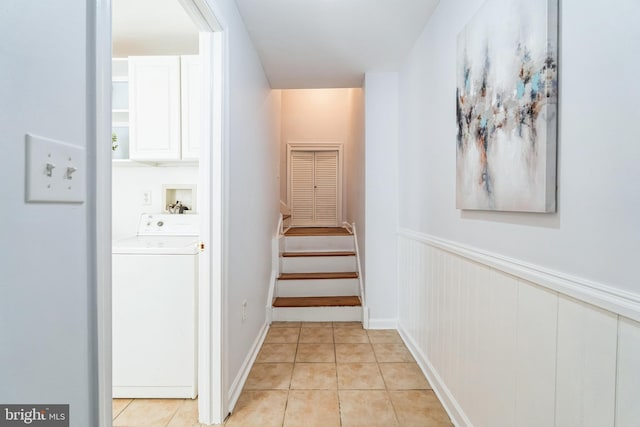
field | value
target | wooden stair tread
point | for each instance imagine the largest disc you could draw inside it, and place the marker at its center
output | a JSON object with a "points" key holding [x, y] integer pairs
{"points": [[345, 301], [317, 231], [304, 276], [317, 254], [286, 216]]}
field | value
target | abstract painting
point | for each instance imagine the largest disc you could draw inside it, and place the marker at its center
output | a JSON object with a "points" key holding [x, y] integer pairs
{"points": [[506, 107]]}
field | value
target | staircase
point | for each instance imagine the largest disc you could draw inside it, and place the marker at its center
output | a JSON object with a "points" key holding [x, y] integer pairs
{"points": [[318, 278]]}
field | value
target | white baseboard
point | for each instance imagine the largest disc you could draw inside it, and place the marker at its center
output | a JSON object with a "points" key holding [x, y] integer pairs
{"points": [[273, 280], [455, 412], [365, 317], [241, 378], [161, 392], [382, 324]]}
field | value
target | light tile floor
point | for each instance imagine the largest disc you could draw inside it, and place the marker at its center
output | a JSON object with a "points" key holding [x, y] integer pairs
{"points": [[155, 413], [315, 374]]}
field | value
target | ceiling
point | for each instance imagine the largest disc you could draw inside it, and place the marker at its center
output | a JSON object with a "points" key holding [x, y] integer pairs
{"points": [[152, 27], [301, 43], [331, 43]]}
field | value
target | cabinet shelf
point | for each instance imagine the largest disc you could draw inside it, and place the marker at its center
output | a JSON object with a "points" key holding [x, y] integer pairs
{"points": [[150, 163]]}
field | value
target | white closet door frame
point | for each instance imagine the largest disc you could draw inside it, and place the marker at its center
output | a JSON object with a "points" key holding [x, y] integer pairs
{"points": [[317, 146]]}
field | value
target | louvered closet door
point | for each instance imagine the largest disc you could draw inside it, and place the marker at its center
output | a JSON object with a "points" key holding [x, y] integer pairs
{"points": [[314, 188], [302, 187], [326, 188]]}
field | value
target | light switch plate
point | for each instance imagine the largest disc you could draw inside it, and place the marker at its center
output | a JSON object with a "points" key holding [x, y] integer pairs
{"points": [[146, 198], [56, 171]]}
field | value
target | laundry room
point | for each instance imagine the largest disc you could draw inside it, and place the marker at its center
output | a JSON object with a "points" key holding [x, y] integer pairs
{"points": [[139, 189], [156, 119]]}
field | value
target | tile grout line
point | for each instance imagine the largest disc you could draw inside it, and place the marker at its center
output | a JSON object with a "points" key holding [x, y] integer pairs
{"points": [[293, 368], [335, 355], [386, 386], [175, 413], [121, 410]]}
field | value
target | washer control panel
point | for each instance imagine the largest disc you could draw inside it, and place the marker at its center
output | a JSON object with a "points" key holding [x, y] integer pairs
{"points": [[168, 225]]}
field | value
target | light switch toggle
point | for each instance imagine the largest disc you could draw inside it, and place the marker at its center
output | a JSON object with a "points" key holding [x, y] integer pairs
{"points": [[48, 169], [70, 171]]}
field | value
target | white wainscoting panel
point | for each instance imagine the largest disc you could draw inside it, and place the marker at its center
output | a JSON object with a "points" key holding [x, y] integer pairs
{"points": [[586, 377], [628, 388], [501, 350], [536, 346]]}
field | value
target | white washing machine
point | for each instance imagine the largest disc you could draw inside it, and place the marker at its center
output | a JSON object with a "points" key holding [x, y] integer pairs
{"points": [[155, 300]]}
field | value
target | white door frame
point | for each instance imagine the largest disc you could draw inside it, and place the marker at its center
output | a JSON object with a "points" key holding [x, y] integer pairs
{"points": [[317, 146], [103, 207], [212, 402]]}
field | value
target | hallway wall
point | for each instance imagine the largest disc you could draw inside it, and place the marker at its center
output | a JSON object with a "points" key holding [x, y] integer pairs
{"points": [[48, 350], [251, 212], [527, 319], [594, 234]]}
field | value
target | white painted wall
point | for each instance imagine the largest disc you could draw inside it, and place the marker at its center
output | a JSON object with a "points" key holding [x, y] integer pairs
{"points": [[251, 212], [355, 172], [502, 350], [128, 184], [381, 196], [152, 27], [47, 319], [594, 234]]}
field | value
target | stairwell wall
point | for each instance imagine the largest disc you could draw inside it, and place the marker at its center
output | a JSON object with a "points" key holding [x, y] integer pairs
{"points": [[316, 116], [381, 197], [355, 171], [251, 196]]}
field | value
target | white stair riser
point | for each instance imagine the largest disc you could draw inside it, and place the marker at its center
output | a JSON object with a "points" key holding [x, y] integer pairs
{"points": [[317, 314], [318, 243], [318, 288], [318, 264]]}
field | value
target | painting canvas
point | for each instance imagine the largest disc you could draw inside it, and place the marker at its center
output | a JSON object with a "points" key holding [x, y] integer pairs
{"points": [[506, 101]]}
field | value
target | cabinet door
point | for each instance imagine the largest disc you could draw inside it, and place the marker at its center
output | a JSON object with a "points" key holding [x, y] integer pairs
{"points": [[191, 111], [154, 107]]}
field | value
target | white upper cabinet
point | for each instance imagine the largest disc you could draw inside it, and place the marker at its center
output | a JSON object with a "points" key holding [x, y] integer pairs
{"points": [[190, 85], [164, 107], [154, 107]]}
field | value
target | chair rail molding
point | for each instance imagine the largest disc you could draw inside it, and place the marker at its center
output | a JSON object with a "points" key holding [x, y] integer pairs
{"points": [[618, 301]]}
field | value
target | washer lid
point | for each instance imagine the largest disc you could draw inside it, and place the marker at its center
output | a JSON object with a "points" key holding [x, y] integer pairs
{"points": [[157, 245]]}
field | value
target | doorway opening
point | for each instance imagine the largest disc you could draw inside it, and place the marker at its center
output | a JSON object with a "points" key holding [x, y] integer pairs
{"points": [[315, 184], [180, 172]]}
